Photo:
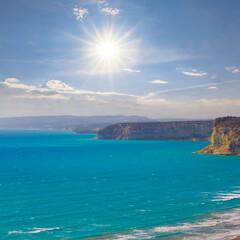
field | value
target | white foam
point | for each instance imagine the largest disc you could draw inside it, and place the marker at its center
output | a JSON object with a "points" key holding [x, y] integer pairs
{"points": [[144, 210], [226, 235], [32, 231], [101, 225], [218, 226], [136, 234], [227, 196]]}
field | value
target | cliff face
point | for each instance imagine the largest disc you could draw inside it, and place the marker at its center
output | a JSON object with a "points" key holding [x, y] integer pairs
{"points": [[225, 139], [181, 130]]}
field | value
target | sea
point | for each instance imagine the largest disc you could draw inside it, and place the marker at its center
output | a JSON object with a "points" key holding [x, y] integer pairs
{"points": [[62, 185]]}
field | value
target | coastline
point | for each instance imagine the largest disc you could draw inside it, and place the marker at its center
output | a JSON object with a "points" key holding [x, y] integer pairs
{"points": [[219, 225]]}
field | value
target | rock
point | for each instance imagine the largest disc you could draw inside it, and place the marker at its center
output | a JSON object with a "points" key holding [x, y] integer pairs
{"points": [[225, 139]]}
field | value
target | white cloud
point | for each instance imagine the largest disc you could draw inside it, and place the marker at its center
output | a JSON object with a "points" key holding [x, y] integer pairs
{"points": [[58, 85], [229, 68], [80, 13], [58, 88], [192, 72], [195, 74], [81, 92], [213, 87], [13, 83], [131, 70], [58, 98], [235, 71], [158, 81], [102, 3], [104, 6], [111, 11], [232, 69], [54, 87], [11, 80]]}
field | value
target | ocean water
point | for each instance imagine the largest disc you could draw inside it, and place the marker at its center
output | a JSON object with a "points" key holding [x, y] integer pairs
{"points": [[60, 185]]}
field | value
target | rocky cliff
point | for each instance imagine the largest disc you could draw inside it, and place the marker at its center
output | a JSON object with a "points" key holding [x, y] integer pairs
{"points": [[225, 139], [180, 130]]}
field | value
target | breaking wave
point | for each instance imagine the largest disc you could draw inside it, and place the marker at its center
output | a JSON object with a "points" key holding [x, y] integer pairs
{"points": [[32, 230], [216, 226]]}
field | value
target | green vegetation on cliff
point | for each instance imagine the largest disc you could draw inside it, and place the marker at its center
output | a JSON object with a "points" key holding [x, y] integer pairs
{"points": [[225, 139]]}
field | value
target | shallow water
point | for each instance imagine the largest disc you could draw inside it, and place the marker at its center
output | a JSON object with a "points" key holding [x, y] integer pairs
{"points": [[60, 185]]}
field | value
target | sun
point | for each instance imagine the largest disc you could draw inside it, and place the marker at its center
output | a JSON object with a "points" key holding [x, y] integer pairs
{"points": [[108, 51]]}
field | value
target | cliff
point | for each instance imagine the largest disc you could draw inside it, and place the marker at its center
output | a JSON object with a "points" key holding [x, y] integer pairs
{"points": [[180, 130], [225, 139]]}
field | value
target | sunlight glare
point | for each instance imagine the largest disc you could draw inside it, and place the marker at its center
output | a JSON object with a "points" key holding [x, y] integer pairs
{"points": [[108, 49]]}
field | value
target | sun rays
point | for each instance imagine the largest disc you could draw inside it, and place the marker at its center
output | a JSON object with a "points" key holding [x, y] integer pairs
{"points": [[108, 51]]}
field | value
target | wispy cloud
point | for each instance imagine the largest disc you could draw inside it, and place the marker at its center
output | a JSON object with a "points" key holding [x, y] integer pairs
{"points": [[103, 5], [229, 68], [14, 83], [56, 87], [195, 74], [131, 70], [232, 69], [80, 13], [56, 98], [192, 72], [158, 81], [152, 94], [213, 87]]}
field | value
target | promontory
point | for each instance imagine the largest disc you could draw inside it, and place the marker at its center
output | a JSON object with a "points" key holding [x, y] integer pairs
{"points": [[225, 139]]}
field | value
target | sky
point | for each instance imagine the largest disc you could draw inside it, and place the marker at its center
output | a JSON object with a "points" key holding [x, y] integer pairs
{"points": [[154, 58]]}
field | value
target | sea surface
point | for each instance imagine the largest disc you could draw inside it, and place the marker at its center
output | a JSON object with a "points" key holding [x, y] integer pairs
{"points": [[61, 185]]}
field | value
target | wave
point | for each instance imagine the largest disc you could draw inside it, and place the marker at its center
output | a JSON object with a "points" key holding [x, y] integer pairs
{"points": [[222, 196], [101, 225], [32, 230], [217, 226]]}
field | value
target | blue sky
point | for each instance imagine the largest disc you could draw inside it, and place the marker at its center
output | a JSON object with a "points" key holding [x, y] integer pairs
{"points": [[168, 58]]}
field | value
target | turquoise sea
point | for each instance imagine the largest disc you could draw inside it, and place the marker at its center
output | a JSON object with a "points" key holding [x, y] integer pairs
{"points": [[60, 185]]}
